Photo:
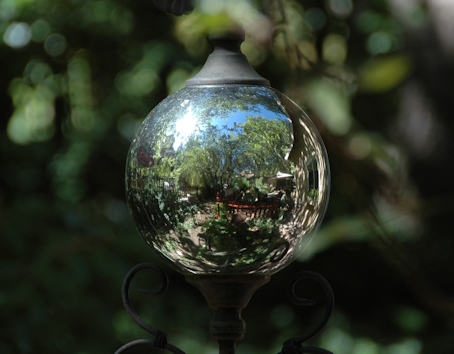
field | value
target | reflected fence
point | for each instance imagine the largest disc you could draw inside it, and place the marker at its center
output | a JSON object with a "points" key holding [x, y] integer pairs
{"points": [[263, 209]]}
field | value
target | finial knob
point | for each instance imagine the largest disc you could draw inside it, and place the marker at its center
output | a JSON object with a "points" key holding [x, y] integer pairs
{"points": [[227, 64]]}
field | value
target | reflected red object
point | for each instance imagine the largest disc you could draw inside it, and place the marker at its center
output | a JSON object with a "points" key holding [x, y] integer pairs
{"points": [[144, 157]]}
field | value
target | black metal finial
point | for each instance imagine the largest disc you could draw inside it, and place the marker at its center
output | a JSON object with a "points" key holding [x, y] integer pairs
{"points": [[227, 64]]}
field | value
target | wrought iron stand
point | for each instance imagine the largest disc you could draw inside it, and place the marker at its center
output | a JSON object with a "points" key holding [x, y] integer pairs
{"points": [[227, 296]]}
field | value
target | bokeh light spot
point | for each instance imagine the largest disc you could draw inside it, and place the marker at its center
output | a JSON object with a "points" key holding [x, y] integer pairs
{"points": [[40, 30], [282, 316], [341, 8], [55, 44], [17, 35], [176, 79], [137, 83], [410, 319], [384, 74], [365, 346], [379, 42], [101, 11], [36, 71], [334, 49], [360, 146], [39, 72], [32, 123], [316, 18], [7, 9], [122, 20], [127, 125], [211, 7], [339, 339], [408, 346], [331, 104], [309, 51], [116, 210]]}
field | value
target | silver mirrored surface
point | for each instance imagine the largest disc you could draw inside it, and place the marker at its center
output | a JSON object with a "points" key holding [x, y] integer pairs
{"points": [[227, 179]]}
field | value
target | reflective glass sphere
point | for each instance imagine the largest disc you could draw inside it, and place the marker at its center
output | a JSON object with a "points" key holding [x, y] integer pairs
{"points": [[227, 179]]}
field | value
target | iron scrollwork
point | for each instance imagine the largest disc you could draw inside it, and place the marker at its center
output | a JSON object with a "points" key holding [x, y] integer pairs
{"points": [[159, 337], [294, 345], [159, 341]]}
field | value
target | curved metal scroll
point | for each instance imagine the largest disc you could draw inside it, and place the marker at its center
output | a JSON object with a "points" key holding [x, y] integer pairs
{"points": [[159, 338], [293, 345]]}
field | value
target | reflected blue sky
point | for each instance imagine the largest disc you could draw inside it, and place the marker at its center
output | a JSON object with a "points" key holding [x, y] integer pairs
{"points": [[188, 124], [240, 117]]}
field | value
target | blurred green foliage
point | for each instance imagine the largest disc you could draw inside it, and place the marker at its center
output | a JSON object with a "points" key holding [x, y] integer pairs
{"points": [[78, 78]]}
